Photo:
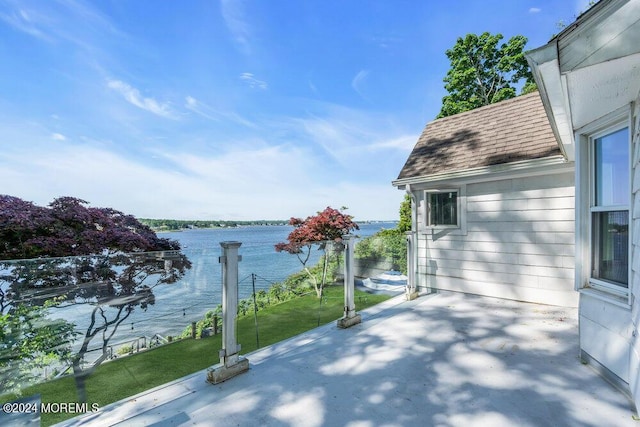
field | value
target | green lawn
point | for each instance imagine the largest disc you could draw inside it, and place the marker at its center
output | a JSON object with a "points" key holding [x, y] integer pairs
{"points": [[130, 375]]}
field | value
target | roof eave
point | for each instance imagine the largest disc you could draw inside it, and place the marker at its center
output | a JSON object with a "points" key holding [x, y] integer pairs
{"points": [[552, 87], [492, 172], [595, 58]]}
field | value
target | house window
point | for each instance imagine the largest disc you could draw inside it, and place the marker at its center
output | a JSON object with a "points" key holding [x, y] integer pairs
{"points": [[610, 210], [443, 208]]}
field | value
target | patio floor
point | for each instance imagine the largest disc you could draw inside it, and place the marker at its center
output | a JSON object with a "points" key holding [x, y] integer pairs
{"points": [[445, 359]]}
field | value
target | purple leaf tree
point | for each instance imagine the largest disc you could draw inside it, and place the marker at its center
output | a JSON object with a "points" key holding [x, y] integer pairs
{"points": [[93, 256]]}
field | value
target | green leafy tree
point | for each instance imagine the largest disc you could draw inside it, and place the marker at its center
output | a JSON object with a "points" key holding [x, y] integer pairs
{"points": [[483, 73], [30, 341], [405, 215], [388, 245]]}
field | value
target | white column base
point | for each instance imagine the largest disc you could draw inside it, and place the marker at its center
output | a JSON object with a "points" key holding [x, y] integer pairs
{"points": [[411, 294], [347, 322], [222, 372]]}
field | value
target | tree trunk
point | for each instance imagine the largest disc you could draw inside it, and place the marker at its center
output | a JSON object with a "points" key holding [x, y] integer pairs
{"points": [[79, 375], [315, 282], [324, 272]]}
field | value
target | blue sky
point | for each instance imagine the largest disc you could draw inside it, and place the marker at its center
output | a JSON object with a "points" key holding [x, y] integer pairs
{"points": [[231, 109]]}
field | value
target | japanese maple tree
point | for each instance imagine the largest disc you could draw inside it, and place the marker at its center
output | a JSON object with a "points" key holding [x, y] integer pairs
{"points": [[98, 257], [323, 229]]}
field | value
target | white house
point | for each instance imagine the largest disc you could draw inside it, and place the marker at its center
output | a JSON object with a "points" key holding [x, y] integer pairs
{"points": [[513, 203], [589, 81], [493, 205]]}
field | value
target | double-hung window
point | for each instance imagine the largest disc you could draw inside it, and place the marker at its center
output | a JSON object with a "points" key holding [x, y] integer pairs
{"points": [[609, 210], [443, 208]]}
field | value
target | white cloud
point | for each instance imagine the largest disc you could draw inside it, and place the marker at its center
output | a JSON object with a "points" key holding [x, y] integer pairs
{"points": [[133, 96], [386, 41], [345, 133], [296, 166], [69, 20], [197, 107], [360, 148], [234, 17], [252, 82], [208, 112], [191, 101], [358, 82], [535, 10], [365, 201], [257, 182], [27, 22], [404, 143], [313, 87]]}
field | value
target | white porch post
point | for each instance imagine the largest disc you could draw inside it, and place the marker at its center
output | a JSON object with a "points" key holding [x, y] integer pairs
{"points": [[411, 289], [350, 316], [231, 364]]}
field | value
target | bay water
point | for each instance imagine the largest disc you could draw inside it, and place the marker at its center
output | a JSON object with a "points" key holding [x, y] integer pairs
{"points": [[179, 304]]}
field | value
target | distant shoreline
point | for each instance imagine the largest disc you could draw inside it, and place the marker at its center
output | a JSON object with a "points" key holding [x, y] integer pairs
{"points": [[175, 225], [163, 230], [160, 225]]}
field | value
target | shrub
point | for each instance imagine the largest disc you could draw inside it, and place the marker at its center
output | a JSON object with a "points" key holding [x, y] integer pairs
{"points": [[387, 245], [125, 349], [205, 323]]}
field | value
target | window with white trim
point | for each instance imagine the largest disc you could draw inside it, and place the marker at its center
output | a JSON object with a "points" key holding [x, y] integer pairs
{"points": [[609, 209], [443, 208]]}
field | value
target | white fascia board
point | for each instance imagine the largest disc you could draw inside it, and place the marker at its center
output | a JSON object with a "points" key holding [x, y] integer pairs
{"points": [[533, 167], [553, 91], [599, 35]]}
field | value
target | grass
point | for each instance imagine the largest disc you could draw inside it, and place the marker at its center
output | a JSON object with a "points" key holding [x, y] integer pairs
{"points": [[130, 375]]}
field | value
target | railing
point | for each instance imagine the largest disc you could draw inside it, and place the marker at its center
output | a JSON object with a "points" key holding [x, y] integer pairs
{"points": [[73, 327]]}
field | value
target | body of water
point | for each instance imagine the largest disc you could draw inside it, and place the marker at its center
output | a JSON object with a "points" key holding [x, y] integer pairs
{"points": [[179, 304]]}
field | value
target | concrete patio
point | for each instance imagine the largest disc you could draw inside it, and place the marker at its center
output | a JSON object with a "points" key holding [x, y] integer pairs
{"points": [[444, 359]]}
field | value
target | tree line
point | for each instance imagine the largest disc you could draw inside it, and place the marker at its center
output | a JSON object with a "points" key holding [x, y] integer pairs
{"points": [[178, 224]]}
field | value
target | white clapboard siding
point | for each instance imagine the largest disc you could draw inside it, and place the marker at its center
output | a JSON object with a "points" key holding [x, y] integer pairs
{"points": [[635, 214], [606, 329], [517, 241]]}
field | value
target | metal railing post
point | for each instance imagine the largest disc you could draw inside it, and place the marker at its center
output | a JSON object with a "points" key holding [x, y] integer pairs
{"points": [[231, 364], [411, 289], [350, 316]]}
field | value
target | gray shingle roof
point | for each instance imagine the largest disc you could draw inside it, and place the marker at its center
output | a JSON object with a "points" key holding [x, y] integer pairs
{"points": [[505, 132]]}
